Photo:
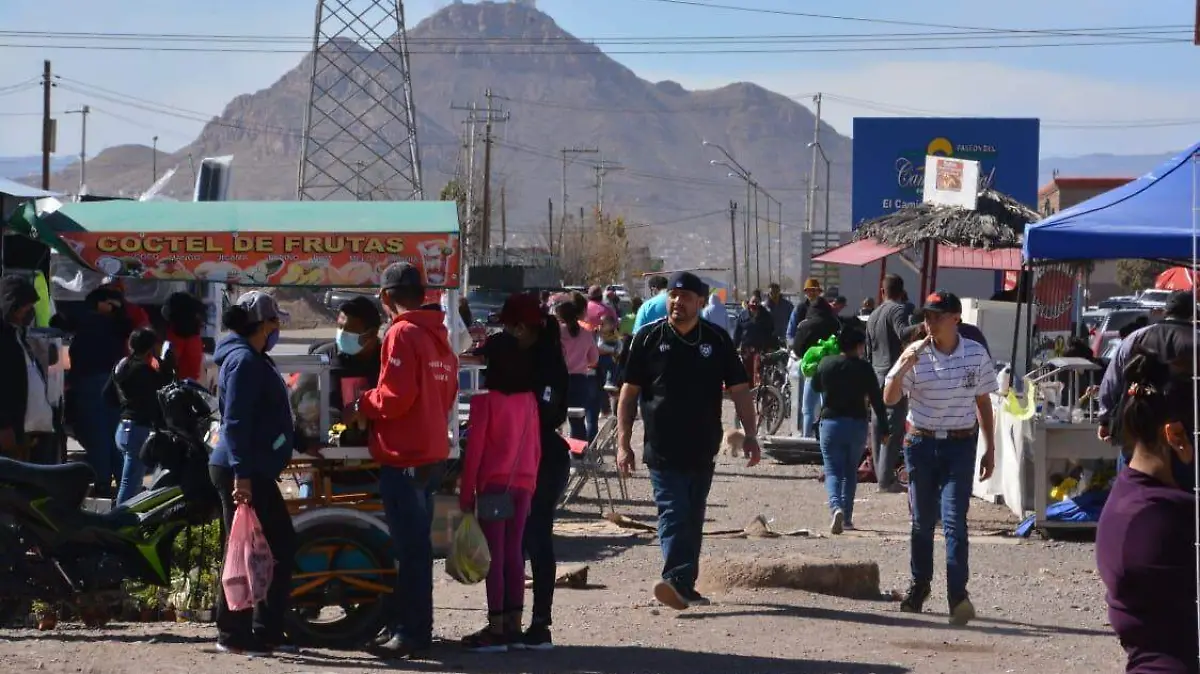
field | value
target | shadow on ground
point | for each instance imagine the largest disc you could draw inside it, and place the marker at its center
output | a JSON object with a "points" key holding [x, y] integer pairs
{"points": [[596, 660]]}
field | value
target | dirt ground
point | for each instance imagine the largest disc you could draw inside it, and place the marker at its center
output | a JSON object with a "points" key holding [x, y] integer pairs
{"points": [[1040, 604]]}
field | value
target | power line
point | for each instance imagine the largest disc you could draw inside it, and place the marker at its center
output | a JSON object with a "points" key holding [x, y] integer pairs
{"points": [[588, 50]]}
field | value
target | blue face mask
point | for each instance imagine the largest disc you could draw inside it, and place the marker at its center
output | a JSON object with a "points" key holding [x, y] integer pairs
{"points": [[348, 342], [272, 339]]}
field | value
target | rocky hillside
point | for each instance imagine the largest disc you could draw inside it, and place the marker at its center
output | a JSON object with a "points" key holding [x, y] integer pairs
{"points": [[572, 96]]}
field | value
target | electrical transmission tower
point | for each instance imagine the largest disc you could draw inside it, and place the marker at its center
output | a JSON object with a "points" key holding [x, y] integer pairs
{"points": [[360, 128]]}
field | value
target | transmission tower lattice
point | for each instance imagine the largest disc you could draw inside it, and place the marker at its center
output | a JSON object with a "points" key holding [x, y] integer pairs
{"points": [[360, 128]]}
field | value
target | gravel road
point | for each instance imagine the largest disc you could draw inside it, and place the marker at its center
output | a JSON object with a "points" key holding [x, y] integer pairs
{"points": [[1040, 604]]}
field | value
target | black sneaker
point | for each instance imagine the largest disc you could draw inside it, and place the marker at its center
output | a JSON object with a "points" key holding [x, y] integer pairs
{"points": [[666, 592], [914, 599], [694, 598], [396, 648], [961, 611], [536, 638], [486, 640]]}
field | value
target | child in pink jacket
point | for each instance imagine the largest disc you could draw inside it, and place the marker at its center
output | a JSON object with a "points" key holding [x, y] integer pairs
{"points": [[503, 451]]}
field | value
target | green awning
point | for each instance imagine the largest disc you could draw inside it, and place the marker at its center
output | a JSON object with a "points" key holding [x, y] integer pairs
{"points": [[198, 217]]}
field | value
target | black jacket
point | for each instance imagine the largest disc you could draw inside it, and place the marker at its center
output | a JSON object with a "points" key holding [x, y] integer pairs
{"points": [[820, 323], [755, 330], [14, 392], [886, 329], [550, 381], [133, 388]]}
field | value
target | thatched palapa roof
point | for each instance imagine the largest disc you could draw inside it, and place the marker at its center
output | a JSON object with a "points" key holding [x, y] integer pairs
{"points": [[998, 221]]}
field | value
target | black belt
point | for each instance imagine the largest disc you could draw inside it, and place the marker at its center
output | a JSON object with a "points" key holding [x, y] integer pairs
{"points": [[956, 434]]}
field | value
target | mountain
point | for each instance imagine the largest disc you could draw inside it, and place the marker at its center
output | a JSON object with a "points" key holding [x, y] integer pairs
{"points": [[1100, 166], [571, 98], [19, 167]]}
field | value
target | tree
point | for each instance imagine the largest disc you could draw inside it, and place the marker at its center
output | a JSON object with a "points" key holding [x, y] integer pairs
{"points": [[1135, 275], [594, 253]]}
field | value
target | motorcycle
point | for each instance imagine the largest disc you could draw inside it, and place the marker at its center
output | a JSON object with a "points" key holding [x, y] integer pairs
{"points": [[54, 550]]}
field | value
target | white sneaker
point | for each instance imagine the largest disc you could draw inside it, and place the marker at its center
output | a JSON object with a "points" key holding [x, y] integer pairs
{"points": [[837, 526]]}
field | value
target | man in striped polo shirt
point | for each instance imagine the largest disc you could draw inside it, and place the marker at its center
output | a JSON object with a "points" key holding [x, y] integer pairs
{"points": [[947, 379]]}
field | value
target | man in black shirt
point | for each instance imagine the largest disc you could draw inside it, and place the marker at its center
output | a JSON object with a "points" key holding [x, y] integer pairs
{"points": [[679, 366], [887, 327]]}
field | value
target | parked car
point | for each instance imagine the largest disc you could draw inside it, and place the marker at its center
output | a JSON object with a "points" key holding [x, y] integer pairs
{"points": [[1119, 302], [1154, 299], [335, 298], [1111, 327]]}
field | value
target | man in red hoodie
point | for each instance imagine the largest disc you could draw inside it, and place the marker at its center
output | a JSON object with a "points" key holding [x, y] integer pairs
{"points": [[408, 412]]}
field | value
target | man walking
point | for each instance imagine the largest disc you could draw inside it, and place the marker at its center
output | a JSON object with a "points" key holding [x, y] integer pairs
{"points": [[655, 307], [781, 310], [947, 379], [408, 412], [886, 329], [679, 367]]}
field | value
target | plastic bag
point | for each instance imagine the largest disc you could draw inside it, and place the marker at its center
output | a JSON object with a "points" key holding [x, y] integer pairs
{"points": [[249, 564], [469, 558], [814, 355]]}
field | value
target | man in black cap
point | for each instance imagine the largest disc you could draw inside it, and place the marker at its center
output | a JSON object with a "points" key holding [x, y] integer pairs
{"points": [[1170, 338], [408, 412], [680, 366], [948, 380]]}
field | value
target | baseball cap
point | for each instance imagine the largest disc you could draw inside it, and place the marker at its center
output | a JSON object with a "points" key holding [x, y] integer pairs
{"points": [[521, 309], [1180, 304], [261, 307], [657, 282], [686, 280], [400, 275], [942, 302]]}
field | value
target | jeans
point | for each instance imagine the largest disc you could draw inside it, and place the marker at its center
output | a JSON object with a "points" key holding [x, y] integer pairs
{"points": [[130, 438], [407, 496], [582, 391], [888, 455], [941, 474], [842, 443], [811, 406], [264, 624], [506, 575], [553, 472], [95, 425], [682, 497]]}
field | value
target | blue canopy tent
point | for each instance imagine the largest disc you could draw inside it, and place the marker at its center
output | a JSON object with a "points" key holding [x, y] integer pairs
{"points": [[1148, 218]]}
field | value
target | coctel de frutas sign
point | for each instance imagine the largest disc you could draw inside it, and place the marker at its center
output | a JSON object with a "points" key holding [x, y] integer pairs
{"points": [[889, 158]]}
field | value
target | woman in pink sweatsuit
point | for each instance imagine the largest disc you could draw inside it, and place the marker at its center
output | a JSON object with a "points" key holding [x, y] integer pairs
{"points": [[503, 451]]}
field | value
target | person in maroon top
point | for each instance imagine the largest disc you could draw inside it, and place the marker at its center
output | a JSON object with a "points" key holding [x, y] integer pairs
{"points": [[1145, 540]]}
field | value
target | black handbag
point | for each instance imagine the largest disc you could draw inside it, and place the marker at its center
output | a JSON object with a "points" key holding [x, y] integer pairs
{"points": [[500, 507]]}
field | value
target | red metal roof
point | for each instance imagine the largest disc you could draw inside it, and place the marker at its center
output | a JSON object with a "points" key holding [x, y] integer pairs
{"points": [[857, 253], [1001, 259], [1064, 182]]}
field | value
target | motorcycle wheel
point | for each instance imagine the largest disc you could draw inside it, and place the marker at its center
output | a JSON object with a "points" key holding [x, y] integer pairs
{"points": [[327, 611]]}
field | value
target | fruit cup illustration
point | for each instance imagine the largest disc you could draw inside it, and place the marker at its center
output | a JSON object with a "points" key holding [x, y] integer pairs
{"points": [[435, 257]]}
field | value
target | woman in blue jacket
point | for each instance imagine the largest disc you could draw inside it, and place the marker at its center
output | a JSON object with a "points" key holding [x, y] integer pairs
{"points": [[254, 447]]}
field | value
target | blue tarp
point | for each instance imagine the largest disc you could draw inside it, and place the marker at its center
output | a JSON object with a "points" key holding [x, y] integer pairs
{"points": [[1148, 218]]}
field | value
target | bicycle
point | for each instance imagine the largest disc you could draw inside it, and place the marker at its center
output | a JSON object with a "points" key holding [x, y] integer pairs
{"points": [[773, 395]]}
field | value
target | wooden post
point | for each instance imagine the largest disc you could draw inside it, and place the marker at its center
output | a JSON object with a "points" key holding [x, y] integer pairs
{"points": [[879, 298], [933, 266]]}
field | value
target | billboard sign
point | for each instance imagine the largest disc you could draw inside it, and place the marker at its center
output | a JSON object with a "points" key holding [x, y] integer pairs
{"points": [[956, 183], [890, 156]]}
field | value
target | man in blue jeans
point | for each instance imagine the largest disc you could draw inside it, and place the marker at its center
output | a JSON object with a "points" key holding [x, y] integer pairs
{"points": [[948, 379], [679, 366]]}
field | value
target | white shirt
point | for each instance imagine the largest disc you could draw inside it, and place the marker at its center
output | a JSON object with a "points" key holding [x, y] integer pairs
{"points": [[39, 416], [942, 387]]}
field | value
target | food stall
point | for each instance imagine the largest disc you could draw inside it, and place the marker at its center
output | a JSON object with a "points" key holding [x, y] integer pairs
{"points": [[310, 244]]}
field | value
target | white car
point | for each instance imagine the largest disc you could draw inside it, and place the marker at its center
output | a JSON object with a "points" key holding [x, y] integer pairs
{"points": [[1154, 299]]}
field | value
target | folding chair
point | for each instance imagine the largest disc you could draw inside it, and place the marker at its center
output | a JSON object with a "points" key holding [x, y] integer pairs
{"points": [[587, 465]]}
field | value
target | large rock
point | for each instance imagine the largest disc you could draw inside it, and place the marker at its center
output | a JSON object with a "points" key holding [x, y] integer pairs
{"points": [[856, 580]]}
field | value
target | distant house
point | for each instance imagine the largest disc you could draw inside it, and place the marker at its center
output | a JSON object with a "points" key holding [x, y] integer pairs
{"points": [[1063, 192]]}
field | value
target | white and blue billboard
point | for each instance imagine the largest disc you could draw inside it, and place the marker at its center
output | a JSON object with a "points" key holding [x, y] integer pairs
{"points": [[889, 158]]}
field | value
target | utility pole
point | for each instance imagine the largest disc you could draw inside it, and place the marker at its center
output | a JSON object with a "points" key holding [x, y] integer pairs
{"points": [[48, 130], [493, 116], [550, 226], [504, 223], [750, 284], [154, 159], [737, 290], [757, 247], [84, 111], [770, 272], [602, 168], [570, 151], [812, 181]]}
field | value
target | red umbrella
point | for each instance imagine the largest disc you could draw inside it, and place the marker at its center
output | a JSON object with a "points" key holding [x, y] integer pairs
{"points": [[1176, 278]]}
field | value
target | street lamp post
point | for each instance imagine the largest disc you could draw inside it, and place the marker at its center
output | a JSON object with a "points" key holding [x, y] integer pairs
{"points": [[828, 180]]}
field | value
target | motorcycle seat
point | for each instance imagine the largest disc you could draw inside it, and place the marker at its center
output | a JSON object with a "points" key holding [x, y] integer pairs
{"points": [[117, 518], [67, 483]]}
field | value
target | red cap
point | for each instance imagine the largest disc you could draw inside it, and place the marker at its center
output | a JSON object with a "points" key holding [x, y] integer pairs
{"points": [[521, 309]]}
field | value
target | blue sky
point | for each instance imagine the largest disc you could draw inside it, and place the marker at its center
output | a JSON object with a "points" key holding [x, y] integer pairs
{"points": [[1146, 97]]}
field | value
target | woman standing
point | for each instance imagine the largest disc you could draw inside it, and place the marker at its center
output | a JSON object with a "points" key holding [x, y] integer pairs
{"points": [[846, 382], [1145, 540], [256, 440], [134, 390], [579, 350]]}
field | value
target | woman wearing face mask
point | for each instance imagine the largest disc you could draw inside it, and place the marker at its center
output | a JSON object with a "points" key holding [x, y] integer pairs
{"points": [[1145, 540], [353, 368], [255, 446]]}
